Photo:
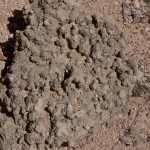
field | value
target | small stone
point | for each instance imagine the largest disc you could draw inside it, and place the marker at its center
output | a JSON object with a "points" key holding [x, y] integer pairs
{"points": [[136, 3], [94, 85], [110, 42], [103, 33], [122, 43], [122, 94], [62, 43], [73, 42], [85, 47]]}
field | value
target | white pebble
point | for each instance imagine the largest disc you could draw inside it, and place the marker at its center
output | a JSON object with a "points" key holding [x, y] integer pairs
{"points": [[136, 3]]}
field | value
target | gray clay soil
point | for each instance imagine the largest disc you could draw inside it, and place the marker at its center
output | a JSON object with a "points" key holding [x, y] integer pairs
{"points": [[68, 76]]}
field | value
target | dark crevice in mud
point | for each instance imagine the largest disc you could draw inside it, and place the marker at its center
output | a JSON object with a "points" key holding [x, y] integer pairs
{"points": [[94, 21], [67, 74], [15, 23], [64, 144], [119, 73], [4, 111], [8, 49], [28, 127]]}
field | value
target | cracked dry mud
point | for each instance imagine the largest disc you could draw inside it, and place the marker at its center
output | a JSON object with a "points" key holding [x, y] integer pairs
{"points": [[68, 76]]}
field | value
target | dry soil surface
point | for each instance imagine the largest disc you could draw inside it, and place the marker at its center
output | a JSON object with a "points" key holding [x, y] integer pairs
{"points": [[133, 131], [137, 34]]}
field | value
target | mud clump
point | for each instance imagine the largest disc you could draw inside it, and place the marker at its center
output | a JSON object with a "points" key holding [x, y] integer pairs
{"points": [[68, 76]]}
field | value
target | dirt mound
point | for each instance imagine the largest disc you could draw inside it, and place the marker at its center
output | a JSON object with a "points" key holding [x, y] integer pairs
{"points": [[68, 76]]}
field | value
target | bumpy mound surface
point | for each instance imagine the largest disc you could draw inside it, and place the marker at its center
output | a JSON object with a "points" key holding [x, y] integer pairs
{"points": [[68, 76]]}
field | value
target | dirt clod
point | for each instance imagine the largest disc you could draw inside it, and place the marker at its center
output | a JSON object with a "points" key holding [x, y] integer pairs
{"points": [[67, 77]]}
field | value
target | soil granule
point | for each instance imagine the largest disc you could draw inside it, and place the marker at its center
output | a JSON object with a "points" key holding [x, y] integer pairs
{"points": [[68, 76]]}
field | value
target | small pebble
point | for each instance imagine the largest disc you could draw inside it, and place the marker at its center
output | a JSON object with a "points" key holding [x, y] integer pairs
{"points": [[136, 4]]}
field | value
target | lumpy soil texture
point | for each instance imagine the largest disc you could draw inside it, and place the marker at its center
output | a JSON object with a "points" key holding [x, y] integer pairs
{"points": [[68, 75]]}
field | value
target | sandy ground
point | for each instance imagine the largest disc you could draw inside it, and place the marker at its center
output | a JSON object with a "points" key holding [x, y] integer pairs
{"points": [[137, 33], [6, 10]]}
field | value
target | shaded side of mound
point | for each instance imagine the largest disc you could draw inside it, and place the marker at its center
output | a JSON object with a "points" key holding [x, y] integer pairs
{"points": [[68, 76]]}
